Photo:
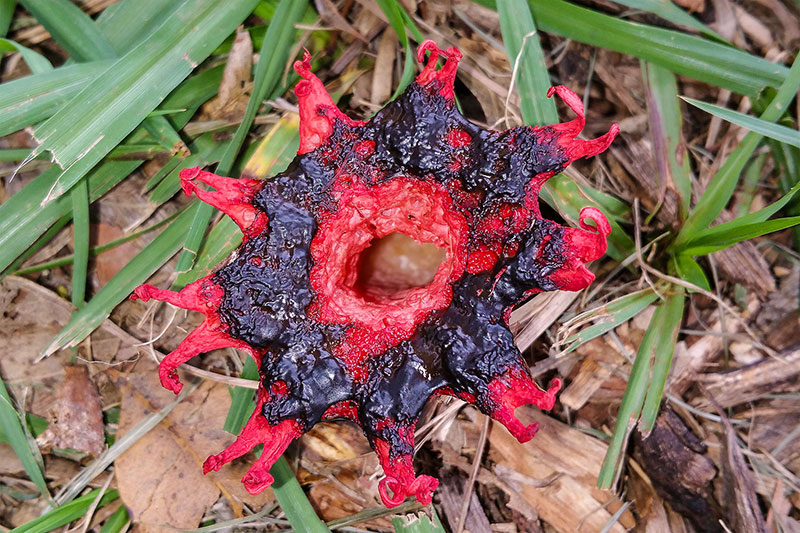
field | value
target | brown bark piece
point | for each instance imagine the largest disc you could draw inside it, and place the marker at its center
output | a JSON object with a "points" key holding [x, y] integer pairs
{"points": [[743, 263], [78, 415], [768, 376], [590, 377], [451, 494], [571, 502], [742, 509], [161, 477], [673, 457]]}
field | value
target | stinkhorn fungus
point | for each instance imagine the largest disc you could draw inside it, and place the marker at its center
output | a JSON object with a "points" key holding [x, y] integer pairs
{"points": [[330, 346]]}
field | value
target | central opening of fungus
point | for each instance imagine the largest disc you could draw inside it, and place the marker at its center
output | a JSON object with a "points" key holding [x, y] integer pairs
{"points": [[394, 264], [388, 255]]}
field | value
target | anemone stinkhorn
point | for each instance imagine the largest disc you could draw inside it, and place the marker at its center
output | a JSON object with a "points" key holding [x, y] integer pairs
{"points": [[330, 346]]}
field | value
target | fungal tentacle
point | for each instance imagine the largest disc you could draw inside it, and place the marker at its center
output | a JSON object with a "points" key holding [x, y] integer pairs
{"points": [[568, 131], [584, 244], [202, 295], [513, 389], [205, 338], [446, 76], [275, 438], [395, 449], [318, 111], [234, 197]]}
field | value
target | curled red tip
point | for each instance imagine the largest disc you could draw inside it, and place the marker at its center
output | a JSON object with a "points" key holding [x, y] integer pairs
{"points": [[583, 244], [318, 112], [303, 68], [577, 148], [447, 75]]}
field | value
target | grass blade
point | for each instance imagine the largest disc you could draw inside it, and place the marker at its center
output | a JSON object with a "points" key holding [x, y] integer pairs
{"points": [[418, 523], [36, 62], [117, 521], [722, 186], [114, 103], [688, 269], [293, 500], [28, 100], [664, 110], [242, 400], [122, 284], [128, 23], [71, 28], [763, 127], [672, 316], [80, 240], [273, 56], [751, 218], [23, 220], [527, 60], [6, 14], [632, 400], [713, 63], [612, 315], [672, 13], [398, 19], [65, 514], [715, 241], [17, 437], [96, 250]]}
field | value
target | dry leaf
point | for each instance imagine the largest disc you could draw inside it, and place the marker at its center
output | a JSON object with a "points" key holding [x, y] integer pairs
{"points": [[384, 66], [78, 413], [160, 477], [28, 322], [235, 87]]}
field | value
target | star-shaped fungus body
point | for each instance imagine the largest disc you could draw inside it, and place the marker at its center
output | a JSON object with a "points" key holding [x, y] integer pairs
{"points": [[330, 346]]}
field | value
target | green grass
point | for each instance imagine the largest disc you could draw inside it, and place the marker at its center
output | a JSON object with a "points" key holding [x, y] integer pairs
{"points": [[138, 73]]}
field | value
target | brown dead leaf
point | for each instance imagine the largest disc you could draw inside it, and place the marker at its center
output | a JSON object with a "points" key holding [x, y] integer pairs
{"points": [[107, 264], [28, 322], [384, 66], [339, 464], [571, 502], [78, 420], [235, 87], [160, 477]]}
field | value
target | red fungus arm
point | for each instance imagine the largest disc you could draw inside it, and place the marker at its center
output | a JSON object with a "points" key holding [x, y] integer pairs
{"points": [[397, 461], [318, 112], [234, 197], [568, 131]]}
